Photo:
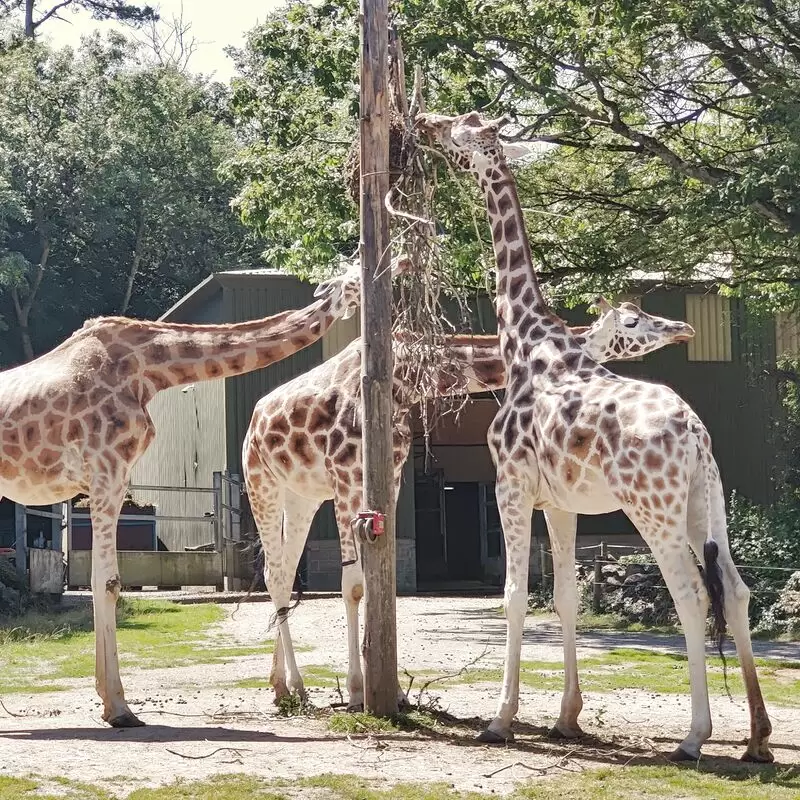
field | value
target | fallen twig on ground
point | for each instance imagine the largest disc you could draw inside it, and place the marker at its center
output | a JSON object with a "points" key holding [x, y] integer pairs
{"points": [[237, 750]]}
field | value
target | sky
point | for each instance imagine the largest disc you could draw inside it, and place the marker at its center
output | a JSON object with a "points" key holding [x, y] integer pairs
{"points": [[215, 25]]}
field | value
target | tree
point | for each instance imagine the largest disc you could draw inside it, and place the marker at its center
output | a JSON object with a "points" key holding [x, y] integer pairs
{"points": [[673, 128], [110, 197], [35, 14]]}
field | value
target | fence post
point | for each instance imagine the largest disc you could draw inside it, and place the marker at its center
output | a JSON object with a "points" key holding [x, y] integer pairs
{"points": [[597, 586], [597, 594], [218, 537], [21, 541], [543, 566]]}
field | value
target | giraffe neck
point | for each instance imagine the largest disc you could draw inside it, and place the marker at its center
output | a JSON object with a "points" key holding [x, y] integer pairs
{"points": [[153, 356], [519, 297]]}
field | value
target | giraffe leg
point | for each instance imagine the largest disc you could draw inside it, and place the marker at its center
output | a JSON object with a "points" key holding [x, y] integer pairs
{"points": [[707, 514], [563, 527], [267, 509], [516, 510], [347, 499], [105, 504], [736, 601], [297, 517], [679, 570]]}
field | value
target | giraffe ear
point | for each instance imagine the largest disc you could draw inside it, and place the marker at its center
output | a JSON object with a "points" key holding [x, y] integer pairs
{"points": [[601, 305]]}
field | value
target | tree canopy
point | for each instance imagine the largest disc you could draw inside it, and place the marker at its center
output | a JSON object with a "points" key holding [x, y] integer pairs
{"points": [[672, 130], [110, 197]]}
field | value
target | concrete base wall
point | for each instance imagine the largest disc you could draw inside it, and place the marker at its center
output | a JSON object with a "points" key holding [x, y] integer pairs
{"points": [[324, 568]]}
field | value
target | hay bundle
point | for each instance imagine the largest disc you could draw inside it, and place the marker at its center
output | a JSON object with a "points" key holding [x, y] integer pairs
{"points": [[400, 147]]}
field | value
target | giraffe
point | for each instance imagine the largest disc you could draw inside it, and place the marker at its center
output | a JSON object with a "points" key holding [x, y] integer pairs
{"points": [[75, 420], [303, 446], [571, 437]]}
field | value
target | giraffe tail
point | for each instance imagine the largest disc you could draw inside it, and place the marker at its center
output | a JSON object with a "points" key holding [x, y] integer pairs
{"points": [[712, 573]]}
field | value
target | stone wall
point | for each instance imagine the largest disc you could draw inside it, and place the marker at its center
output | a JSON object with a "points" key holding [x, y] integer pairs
{"points": [[324, 568]]}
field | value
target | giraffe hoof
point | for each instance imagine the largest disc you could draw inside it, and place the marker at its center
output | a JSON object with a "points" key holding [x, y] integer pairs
{"points": [[764, 757], [126, 720], [569, 733], [491, 737], [679, 754]]}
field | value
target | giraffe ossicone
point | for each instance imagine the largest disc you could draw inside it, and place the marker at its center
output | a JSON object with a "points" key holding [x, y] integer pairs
{"points": [[571, 437], [75, 421], [303, 446]]}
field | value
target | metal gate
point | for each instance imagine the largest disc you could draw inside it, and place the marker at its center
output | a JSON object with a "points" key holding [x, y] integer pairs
{"points": [[211, 562]]}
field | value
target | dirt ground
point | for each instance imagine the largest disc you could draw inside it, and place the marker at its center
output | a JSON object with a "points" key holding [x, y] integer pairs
{"points": [[198, 726]]}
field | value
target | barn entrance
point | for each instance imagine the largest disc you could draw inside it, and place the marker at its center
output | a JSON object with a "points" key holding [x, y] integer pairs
{"points": [[451, 533]]}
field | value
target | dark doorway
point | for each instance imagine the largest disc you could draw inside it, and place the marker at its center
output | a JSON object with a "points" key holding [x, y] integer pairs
{"points": [[429, 520], [462, 512]]}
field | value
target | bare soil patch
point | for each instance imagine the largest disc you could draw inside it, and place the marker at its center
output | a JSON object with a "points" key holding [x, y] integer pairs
{"points": [[199, 726]]}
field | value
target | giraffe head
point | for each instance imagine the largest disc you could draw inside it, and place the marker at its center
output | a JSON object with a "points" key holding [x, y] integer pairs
{"points": [[625, 331], [345, 290], [471, 142]]}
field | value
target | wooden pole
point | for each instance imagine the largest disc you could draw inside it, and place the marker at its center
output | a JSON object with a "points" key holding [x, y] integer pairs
{"points": [[379, 648]]}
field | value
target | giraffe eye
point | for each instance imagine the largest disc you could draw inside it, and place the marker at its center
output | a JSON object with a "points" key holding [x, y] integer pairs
{"points": [[630, 322]]}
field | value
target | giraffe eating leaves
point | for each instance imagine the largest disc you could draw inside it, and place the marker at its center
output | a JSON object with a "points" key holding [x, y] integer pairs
{"points": [[304, 446], [75, 421], [571, 437]]}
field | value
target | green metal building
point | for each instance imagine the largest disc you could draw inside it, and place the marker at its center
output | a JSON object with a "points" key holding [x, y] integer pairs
{"points": [[448, 529]]}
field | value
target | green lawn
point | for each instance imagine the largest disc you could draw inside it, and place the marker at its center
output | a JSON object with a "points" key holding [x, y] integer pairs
{"points": [[37, 650], [621, 783], [629, 668]]}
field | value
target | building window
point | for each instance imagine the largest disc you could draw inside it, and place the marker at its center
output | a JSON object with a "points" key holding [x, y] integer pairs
{"points": [[787, 334], [710, 316]]}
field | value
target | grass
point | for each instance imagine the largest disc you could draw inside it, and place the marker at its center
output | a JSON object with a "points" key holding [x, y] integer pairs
{"points": [[314, 676], [589, 621], [717, 781], [38, 650], [361, 722], [667, 673]]}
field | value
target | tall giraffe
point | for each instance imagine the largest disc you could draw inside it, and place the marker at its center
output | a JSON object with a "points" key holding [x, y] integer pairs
{"points": [[75, 421], [304, 446], [571, 437]]}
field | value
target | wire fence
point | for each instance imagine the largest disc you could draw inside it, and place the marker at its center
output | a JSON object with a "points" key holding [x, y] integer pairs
{"points": [[601, 554]]}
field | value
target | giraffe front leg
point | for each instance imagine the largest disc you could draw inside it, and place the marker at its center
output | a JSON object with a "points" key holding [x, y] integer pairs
{"points": [[105, 505], [516, 509], [562, 527]]}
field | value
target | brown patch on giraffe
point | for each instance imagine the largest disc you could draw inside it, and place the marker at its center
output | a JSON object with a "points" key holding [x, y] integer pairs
{"points": [[669, 499], [31, 435], [268, 355], [515, 286], [298, 415], [321, 441], [300, 445], [189, 349], [274, 440], [280, 425], [236, 363], [8, 470], [653, 460], [156, 353], [61, 403], [347, 455], [127, 449], [48, 457], [504, 202], [213, 368], [357, 592], [184, 373], [335, 439], [157, 379]]}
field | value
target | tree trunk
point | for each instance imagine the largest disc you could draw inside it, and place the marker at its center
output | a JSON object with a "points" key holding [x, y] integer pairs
{"points": [[138, 251], [23, 310], [29, 29]]}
